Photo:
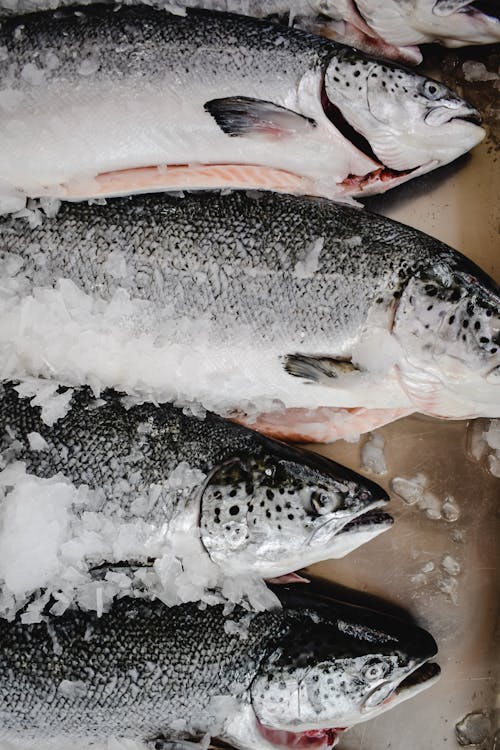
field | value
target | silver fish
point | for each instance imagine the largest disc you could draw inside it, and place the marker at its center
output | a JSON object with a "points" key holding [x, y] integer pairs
{"points": [[106, 101], [389, 29], [270, 679], [259, 507], [298, 307]]}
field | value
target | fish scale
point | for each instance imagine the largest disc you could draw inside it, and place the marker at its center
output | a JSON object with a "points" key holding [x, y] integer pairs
{"points": [[100, 445], [247, 251], [142, 667], [135, 99], [243, 289], [246, 502], [143, 670]]}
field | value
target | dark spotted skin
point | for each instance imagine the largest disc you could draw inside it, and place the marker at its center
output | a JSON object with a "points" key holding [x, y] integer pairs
{"points": [[232, 258], [142, 666], [102, 445], [137, 669]]}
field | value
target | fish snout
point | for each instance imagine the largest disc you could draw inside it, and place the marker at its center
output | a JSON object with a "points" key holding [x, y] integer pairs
{"points": [[446, 111], [333, 487]]}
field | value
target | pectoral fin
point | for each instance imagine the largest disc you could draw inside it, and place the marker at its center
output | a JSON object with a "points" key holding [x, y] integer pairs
{"points": [[243, 116], [317, 369]]}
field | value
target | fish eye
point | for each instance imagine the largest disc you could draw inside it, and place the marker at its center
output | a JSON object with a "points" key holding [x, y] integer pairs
{"points": [[374, 671], [432, 90], [323, 503]]}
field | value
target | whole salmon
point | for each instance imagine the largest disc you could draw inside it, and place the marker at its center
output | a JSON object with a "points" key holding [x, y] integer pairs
{"points": [[148, 483], [276, 679], [251, 304], [109, 101]]}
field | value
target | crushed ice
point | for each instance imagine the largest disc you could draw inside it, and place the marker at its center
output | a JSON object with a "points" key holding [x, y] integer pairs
{"points": [[415, 491], [483, 444], [58, 542], [306, 268], [372, 454]]}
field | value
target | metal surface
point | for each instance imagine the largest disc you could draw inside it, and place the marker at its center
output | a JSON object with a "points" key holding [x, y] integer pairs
{"points": [[459, 204]]}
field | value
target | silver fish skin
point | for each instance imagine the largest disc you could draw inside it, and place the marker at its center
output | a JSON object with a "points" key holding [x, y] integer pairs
{"points": [[162, 101], [453, 23], [391, 29], [264, 508], [142, 668], [241, 301]]}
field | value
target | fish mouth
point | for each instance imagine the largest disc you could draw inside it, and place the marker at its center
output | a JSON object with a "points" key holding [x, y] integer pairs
{"points": [[419, 678], [474, 118], [368, 523], [360, 531], [442, 115], [422, 677], [372, 519]]}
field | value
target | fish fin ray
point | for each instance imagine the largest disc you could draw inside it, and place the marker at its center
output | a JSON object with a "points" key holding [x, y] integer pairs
{"points": [[240, 116], [317, 369]]}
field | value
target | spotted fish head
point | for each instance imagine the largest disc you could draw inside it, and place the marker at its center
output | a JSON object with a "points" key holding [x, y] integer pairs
{"points": [[407, 123], [454, 23], [276, 509], [340, 664], [448, 324]]}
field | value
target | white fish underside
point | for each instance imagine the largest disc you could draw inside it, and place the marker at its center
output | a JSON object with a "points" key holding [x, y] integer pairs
{"points": [[205, 303], [149, 128]]}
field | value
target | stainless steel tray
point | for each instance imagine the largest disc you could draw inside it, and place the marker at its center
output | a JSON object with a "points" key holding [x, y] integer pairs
{"points": [[460, 205]]}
